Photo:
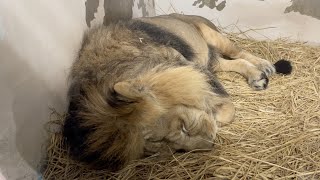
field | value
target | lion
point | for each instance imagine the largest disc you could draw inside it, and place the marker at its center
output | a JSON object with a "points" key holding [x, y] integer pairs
{"points": [[148, 85]]}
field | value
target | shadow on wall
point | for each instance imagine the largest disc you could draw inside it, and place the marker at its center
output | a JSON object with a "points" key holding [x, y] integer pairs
{"points": [[142, 5], [114, 10], [91, 9], [210, 4], [305, 7]]}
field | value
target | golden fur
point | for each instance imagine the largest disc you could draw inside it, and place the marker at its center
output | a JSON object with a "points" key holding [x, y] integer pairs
{"points": [[147, 86]]}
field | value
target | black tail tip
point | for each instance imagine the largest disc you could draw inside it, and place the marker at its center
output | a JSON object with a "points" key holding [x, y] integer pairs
{"points": [[283, 67]]}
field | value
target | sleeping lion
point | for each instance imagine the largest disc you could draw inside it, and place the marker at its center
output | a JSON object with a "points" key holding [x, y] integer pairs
{"points": [[147, 86]]}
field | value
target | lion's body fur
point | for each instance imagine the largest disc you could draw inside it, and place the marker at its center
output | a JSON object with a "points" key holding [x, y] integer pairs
{"points": [[136, 86]]}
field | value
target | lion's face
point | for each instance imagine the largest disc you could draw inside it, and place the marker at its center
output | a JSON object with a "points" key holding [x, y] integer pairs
{"points": [[178, 108], [182, 128]]}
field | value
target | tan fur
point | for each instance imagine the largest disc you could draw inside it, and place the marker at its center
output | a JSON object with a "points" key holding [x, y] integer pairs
{"points": [[216, 39], [138, 97]]}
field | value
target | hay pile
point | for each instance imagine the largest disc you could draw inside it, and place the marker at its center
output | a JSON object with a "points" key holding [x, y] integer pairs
{"points": [[276, 134]]}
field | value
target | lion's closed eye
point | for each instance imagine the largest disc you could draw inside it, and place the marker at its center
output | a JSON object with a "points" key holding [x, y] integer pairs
{"points": [[184, 130], [190, 123], [190, 128]]}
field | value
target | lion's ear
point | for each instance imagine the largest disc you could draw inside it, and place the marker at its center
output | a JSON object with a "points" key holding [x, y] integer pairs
{"points": [[126, 93], [130, 90]]}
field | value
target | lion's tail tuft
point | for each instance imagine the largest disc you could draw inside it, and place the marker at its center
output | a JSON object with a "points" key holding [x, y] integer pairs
{"points": [[283, 67]]}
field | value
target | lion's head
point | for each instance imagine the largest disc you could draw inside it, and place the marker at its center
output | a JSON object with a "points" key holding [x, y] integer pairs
{"points": [[162, 110]]}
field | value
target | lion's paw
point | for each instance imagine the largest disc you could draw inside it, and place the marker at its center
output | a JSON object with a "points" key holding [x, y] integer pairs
{"points": [[258, 82]]}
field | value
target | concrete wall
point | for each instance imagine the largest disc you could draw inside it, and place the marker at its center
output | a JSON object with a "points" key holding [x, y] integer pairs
{"points": [[271, 19], [38, 42]]}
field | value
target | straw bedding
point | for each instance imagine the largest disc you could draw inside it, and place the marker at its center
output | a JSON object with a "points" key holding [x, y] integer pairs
{"points": [[276, 134]]}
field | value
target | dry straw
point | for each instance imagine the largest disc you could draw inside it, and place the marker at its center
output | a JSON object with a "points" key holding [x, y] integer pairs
{"points": [[276, 134]]}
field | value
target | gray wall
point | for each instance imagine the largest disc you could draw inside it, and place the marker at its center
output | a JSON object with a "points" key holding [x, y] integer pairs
{"points": [[271, 19]]}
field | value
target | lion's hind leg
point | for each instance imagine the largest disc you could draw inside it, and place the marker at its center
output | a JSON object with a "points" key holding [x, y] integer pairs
{"points": [[255, 69]]}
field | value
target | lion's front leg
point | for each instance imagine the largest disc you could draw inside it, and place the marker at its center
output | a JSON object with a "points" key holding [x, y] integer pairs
{"points": [[263, 65], [257, 79]]}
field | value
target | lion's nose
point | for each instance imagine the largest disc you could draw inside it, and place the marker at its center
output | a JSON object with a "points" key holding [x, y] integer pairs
{"points": [[181, 151], [212, 136]]}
